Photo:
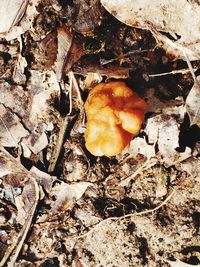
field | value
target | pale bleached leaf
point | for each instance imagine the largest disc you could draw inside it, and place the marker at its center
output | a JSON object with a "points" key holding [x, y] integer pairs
{"points": [[163, 16], [163, 130], [179, 263], [16, 17], [66, 194], [193, 103], [10, 13], [11, 128]]}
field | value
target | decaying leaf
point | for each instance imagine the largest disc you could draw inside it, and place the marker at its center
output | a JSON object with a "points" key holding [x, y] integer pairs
{"points": [[76, 52], [35, 110], [179, 263], [88, 15], [43, 179], [181, 18], [45, 52], [164, 130], [18, 74], [64, 43], [191, 166], [10, 14], [169, 106], [43, 88], [11, 128], [139, 146], [92, 79], [193, 103], [17, 17], [36, 142], [25, 200], [66, 195]]}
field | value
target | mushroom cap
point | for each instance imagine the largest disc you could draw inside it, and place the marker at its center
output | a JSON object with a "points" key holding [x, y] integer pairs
{"points": [[114, 116]]}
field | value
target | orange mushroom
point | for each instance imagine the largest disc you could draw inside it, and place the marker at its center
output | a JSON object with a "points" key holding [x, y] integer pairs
{"points": [[114, 116]]}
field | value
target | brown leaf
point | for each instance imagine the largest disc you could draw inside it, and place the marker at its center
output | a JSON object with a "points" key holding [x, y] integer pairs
{"points": [[88, 15], [193, 103], [64, 43]]}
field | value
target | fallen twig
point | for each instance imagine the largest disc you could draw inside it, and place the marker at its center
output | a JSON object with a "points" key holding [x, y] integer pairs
{"points": [[135, 52], [182, 71], [135, 214], [65, 122], [59, 143]]}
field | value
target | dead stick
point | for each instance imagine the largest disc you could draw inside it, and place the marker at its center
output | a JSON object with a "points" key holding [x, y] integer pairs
{"points": [[59, 143]]}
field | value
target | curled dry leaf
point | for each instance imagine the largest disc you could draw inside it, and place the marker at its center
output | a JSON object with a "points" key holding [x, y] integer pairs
{"points": [[192, 103], [163, 16], [92, 79]]}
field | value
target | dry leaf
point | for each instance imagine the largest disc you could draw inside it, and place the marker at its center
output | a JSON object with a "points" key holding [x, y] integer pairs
{"points": [[66, 194], [88, 15], [156, 105], [16, 17], [10, 13], [92, 79], [191, 166], [139, 146], [11, 128], [45, 52], [43, 179], [36, 142], [193, 103], [179, 263], [64, 43], [178, 18], [35, 110], [24, 196], [164, 130]]}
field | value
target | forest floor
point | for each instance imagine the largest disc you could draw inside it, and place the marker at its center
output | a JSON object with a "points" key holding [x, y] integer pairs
{"points": [[59, 204]]}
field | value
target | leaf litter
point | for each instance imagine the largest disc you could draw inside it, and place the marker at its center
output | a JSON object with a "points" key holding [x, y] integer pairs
{"points": [[60, 205]]}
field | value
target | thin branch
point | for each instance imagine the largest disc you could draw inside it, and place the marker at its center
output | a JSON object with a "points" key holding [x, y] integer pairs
{"points": [[59, 144], [76, 87], [190, 66], [135, 52], [182, 71], [135, 214]]}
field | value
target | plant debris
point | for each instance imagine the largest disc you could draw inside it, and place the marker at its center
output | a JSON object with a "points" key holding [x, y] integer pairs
{"points": [[59, 204]]}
